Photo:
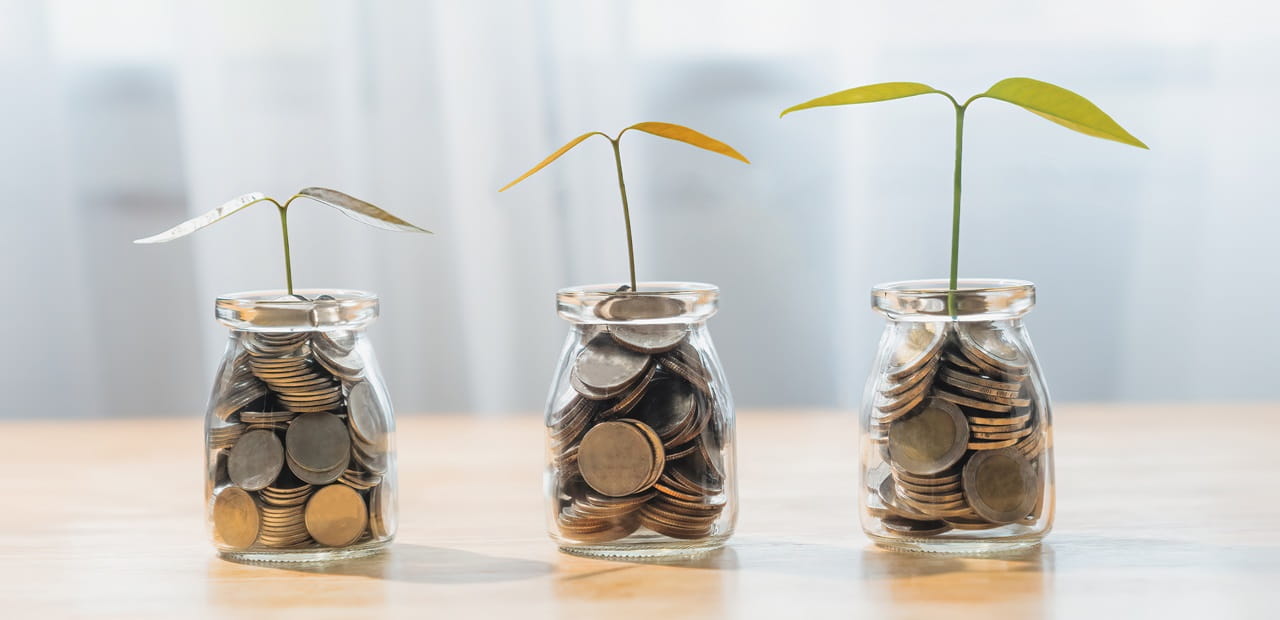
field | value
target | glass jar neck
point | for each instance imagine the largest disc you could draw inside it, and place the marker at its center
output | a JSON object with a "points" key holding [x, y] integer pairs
{"points": [[652, 303], [306, 310], [974, 300]]}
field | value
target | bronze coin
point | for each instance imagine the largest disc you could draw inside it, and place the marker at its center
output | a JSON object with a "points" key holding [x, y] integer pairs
{"points": [[336, 515], [236, 519]]}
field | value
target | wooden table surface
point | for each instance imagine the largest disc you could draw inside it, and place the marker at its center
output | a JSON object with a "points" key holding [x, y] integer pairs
{"points": [[1163, 511]]}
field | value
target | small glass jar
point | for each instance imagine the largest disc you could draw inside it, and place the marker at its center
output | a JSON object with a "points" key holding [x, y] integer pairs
{"points": [[957, 431], [300, 453], [640, 424]]}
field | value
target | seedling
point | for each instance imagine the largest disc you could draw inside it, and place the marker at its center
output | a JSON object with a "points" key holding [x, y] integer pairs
{"points": [[352, 207], [662, 130], [1042, 98]]}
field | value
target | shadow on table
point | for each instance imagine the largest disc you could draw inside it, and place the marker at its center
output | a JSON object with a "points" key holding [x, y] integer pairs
{"points": [[412, 563]]}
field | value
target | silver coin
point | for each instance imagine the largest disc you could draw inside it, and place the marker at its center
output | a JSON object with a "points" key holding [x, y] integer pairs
{"points": [[318, 442], [658, 338], [604, 366], [990, 343], [256, 460], [628, 307], [915, 347], [382, 511], [369, 423], [317, 477]]}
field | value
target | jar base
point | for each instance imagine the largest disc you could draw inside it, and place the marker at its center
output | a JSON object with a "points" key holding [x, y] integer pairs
{"points": [[992, 546], [325, 554], [666, 548]]}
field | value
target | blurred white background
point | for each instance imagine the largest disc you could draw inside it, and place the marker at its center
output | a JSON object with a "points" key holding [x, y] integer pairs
{"points": [[120, 119]]}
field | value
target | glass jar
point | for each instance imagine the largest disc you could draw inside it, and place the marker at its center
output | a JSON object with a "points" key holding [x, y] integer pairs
{"points": [[300, 435], [956, 426], [640, 424]]}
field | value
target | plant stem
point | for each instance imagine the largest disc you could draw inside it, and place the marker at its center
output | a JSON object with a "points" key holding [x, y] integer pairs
{"points": [[284, 230], [626, 211], [955, 213]]}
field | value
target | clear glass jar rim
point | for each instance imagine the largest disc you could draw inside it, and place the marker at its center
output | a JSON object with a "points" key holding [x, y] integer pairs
{"points": [[971, 286], [272, 310], [645, 289]]}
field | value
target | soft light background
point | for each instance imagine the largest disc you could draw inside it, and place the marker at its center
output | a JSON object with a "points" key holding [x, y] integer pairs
{"points": [[122, 118]]}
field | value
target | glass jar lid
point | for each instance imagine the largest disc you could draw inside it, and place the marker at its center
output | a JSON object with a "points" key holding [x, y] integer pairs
{"points": [[652, 303], [305, 310], [976, 299]]}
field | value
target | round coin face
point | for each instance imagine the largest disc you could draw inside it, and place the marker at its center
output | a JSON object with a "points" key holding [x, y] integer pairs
{"points": [[638, 307], [992, 345], [916, 347], [605, 366], [621, 457], [255, 460], [236, 519], [318, 442], [1000, 485], [930, 440], [336, 515]]}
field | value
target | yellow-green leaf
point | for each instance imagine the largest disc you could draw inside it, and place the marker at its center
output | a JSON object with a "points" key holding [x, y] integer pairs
{"points": [[866, 94], [359, 210], [683, 134], [1062, 107], [221, 212], [552, 157]]}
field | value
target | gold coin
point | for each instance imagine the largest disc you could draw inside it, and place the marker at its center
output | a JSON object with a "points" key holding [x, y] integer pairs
{"points": [[620, 457], [1000, 485], [336, 515], [236, 519], [930, 440]]}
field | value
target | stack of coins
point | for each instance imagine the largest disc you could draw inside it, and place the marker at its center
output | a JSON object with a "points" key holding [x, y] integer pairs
{"points": [[959, 432], [301, 450], [636, 436]]}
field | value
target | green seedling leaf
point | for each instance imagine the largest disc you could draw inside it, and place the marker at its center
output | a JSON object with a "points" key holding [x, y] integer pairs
{"points": [[867, 94], [680, 133], [359, 210], [205, 219], [1062, 107], [554, 156]]}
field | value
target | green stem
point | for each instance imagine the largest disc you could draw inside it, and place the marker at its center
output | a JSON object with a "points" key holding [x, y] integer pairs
{"points": [[955, 213], [626, 211], [284, 230]]}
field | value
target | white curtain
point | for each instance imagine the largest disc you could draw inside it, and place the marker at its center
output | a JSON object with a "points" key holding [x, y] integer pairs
{"points": [[1154, 267]]}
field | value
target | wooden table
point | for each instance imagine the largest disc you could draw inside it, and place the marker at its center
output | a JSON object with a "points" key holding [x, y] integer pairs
{"points": [[1163, 511]]}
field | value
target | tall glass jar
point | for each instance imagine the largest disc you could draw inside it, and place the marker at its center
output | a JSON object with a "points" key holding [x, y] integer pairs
{"points": [[640, 424], [957, 431], [300, 435]]}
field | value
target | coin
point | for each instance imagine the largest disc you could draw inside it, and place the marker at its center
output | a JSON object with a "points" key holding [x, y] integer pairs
{"points": [[972, 378], [988, 342], [315, 477], [1000, 485], [255, 460], [930, 440], [632, 307], [620, 457], [336, 515], [917, 346], [656, 338], [236, 519], [628, 401], [382, 511], [913, 527], [971, 402], [318, 442], [369, 423], [607, 368]]}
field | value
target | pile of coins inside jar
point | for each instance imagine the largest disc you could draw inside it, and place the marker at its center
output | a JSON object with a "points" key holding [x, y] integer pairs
{"points": [[636, 437], [959, 432], [303, 447]]}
